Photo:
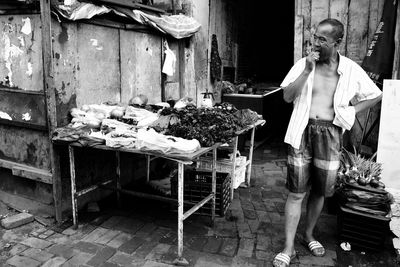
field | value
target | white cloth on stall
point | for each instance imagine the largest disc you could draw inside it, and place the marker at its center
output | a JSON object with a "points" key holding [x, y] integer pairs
{"points": [[153, 141], [142, 116]]}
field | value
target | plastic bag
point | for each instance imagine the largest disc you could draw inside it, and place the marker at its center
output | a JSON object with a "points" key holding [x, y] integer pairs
{"points": [[169, 62]]}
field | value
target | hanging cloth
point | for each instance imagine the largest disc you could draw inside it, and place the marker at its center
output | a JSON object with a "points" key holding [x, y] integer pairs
{"points": [[169, 62], [216, 63], [378, 62]]}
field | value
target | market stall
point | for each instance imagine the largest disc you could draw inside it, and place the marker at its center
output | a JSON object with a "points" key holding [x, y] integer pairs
{"points": [[182, 134], [181, 159]]}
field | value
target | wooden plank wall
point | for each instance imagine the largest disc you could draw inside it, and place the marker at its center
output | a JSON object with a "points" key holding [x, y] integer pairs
{"points": [[94, 64], [24, 146], [360, 18], [140, 65], [21, 60], [223, 23], [202, 13], [357, 30], [396, 63], [91, 64], [98, 66], [339, 10]]}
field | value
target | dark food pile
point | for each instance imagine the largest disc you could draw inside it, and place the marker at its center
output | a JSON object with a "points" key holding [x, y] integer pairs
{"points": [[208, 126]]}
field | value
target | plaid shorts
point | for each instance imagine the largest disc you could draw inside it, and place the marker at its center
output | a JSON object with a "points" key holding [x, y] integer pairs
{"points": [[317, 160]]}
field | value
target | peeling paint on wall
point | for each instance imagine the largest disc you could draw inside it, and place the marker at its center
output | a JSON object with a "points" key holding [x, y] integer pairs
{"points": [[30, 69], [26, 28], [63, 36], [20, 52], [26, 116], [21, 41], [10, 51], [95, 43], [4, 115], [149, 51]]}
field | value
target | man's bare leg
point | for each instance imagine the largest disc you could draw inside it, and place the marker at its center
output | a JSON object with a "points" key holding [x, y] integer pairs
{"points": [[314, 207], [292, 217]]}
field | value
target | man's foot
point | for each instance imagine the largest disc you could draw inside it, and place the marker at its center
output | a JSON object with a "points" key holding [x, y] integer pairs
{"points": [[315, 248], [283, 260]]}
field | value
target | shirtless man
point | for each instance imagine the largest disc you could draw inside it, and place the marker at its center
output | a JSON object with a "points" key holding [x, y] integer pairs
{"points": [[321, 87]]}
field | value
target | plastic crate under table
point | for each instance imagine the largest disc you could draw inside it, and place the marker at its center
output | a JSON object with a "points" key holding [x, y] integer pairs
{"points": [[225, 165], [362, 230], [197, 186]]}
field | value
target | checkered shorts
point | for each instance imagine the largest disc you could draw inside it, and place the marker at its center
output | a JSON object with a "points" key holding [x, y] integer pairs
{"points": [[317, 160]]}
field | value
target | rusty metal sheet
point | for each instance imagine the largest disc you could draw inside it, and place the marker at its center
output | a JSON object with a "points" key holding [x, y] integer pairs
{"points": [[25, 146], [98, 66], [140, 66], [21, 52]]}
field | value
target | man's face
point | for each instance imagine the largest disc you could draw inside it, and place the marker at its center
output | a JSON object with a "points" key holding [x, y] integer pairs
{"points": [[324, 42]]}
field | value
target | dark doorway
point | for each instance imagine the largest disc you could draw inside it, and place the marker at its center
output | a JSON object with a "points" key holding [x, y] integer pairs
{"points": [[265, 55], [266, 40]]}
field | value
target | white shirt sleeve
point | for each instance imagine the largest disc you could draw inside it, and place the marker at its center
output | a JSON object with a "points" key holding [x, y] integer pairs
{"points": [[366, 88], [294, 72]]}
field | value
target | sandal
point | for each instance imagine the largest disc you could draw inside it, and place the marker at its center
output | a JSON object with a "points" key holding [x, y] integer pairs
{"points": [[316, 248], [283, 260]]}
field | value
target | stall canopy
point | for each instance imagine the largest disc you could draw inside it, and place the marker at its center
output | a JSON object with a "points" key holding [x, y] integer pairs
{"points": [[178, 26]]}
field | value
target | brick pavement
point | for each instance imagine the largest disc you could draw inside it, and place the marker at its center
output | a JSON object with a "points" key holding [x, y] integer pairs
{"points": [[250, 234]]}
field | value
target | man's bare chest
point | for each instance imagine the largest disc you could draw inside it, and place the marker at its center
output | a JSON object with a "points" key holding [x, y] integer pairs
{"points": [[325, 83]]}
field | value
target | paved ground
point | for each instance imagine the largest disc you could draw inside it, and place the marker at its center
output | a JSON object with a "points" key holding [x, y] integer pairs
{"points": [[144, 233]]}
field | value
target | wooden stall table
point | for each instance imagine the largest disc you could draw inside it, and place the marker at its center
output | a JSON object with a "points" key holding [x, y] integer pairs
{"points": [[181, 159]]}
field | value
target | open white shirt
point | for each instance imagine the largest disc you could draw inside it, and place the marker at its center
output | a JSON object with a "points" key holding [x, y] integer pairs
{"points": [[354, 84]]}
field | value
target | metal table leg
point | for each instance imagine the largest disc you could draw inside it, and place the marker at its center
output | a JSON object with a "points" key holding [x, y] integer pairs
{"points": [[148, 160], [235, 145], [248, 173], [118, 177], [214, 184], [73, 186], [180, 260]]}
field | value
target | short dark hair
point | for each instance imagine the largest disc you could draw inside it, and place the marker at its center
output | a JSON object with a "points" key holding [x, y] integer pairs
{"points": [[338, 28]]}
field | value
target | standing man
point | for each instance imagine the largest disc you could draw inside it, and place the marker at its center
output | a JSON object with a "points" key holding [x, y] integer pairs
{"points": [[321, 87]]}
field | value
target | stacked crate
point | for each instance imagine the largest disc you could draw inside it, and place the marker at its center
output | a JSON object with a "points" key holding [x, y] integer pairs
{"points": [[197, 186], [362, 230], [225, 165]]}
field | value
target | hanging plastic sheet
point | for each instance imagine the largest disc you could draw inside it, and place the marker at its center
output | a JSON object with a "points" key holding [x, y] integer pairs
{"points": [[76, 10], [178, 26]]}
